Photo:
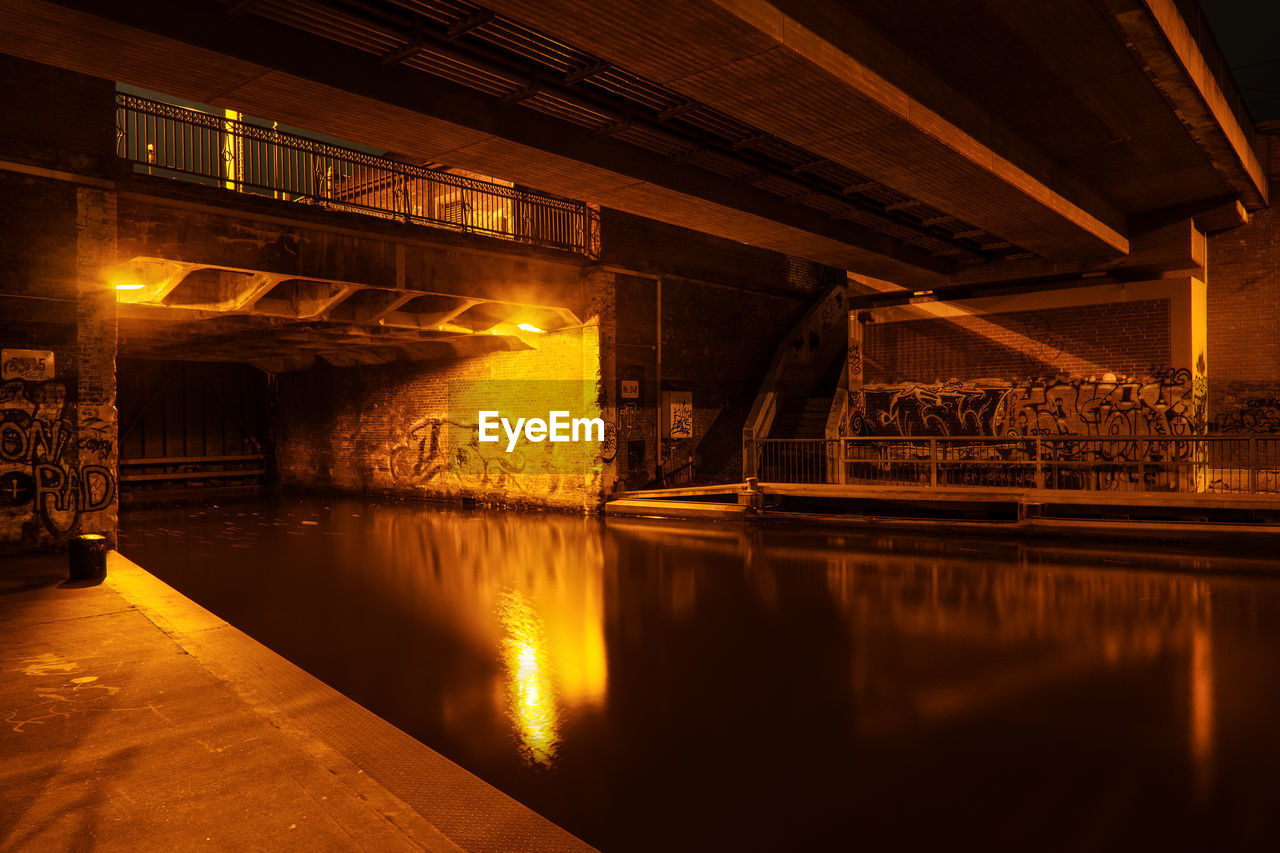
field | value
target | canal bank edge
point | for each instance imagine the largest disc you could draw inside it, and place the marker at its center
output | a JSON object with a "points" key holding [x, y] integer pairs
{"points": [[436, 804]]}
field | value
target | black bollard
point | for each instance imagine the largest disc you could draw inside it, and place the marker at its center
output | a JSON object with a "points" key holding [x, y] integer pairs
{"points": [[88, 557]]}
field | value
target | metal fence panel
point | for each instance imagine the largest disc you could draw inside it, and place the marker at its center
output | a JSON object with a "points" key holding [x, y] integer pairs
{"points": [[172, 141], [1225, 464]]}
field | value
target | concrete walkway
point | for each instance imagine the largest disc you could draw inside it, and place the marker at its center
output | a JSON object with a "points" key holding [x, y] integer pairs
{"points": [[131, 718]]}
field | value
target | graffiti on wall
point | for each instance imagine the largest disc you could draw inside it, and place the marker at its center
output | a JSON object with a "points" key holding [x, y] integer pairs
{"points": [[1251, 415], [1168, 402], [440, 453], [426, 456], [50, 471]]}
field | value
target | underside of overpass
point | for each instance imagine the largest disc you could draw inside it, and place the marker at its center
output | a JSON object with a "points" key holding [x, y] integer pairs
{"points": [[281, 285], [918, 146], [660, 172]]}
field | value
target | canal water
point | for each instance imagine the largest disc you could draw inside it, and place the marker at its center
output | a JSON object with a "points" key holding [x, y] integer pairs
{"points": [[660, 686]]}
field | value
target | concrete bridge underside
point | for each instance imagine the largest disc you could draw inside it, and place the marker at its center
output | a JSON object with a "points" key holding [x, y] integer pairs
{"points": [[207, 274], [903, 143]]}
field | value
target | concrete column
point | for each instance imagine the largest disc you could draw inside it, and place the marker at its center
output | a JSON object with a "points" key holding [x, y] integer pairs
{"points": [[96, 422], [1188, 335], [857, 402]]}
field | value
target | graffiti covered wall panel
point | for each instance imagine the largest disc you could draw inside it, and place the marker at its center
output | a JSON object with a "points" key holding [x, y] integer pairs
{"points": [[403, 429], [1164, 403], [57, 463]]}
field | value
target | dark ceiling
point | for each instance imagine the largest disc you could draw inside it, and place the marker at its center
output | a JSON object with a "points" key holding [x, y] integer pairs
{"points": [[1249, 33]]}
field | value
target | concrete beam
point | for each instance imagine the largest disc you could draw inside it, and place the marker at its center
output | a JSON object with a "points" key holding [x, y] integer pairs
{"points": [[313, 82], [320, 307], [237, 231], [1158, 36], [1174, 249], [753, 60], [390, 301], [447, 317], [1224, 217], [311, 298]]}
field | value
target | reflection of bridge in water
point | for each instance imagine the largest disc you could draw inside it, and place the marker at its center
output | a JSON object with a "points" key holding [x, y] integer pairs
{"points": [[940, 630]]}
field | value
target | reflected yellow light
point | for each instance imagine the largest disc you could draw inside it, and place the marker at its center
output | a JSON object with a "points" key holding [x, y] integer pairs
{"points": [[529, 327], [531, 697], [531, 595], [1203, 710]]}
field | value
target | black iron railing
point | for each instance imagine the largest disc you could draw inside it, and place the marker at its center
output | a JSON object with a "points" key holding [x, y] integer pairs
{"points": [[173, 141], [1138, 463]]}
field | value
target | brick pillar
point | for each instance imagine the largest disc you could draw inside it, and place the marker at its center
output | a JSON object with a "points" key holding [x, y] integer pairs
{"points": [[96, 424], [599, 352]]}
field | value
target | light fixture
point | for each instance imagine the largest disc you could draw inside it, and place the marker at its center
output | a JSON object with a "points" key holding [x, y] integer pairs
{"points": [[124, 278], [529, 327]]}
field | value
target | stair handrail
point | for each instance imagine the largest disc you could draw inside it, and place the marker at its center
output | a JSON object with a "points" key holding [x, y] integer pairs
{"points": [[838, 414], [828, 309], [836, 429]]}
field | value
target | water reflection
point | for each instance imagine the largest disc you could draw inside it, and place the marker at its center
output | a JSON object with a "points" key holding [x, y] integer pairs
{"points": [[648, 685], [530, 598], [1202, 704], [531, 697]]}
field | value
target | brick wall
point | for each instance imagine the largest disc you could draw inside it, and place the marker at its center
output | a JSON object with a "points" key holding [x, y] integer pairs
{"points": [[56, 118], [1244, 326], [58, 462], [1090, 369], [57, 432], [410, 428], [1124, 338], [717, 343]]}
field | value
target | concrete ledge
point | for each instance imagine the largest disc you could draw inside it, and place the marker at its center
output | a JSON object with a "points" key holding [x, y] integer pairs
{"points": [[676, 509], [684, 491], [1029, 496]]}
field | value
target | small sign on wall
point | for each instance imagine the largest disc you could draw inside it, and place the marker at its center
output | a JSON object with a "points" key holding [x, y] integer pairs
{"points": [[631, 389], [33, 365]]}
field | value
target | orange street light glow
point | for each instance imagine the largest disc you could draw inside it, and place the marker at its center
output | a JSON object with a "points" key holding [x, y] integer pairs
{"points": [[528, 327]]}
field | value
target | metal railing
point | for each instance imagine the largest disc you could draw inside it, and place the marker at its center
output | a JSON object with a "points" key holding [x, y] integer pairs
{"points": [[164, 139], [1155, 463]]}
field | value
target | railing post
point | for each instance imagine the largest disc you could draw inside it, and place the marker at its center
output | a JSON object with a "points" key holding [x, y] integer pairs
{"points": [[748, 454], [1253, 464], [1039, 466], [933, 462], [1142, 466]]}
